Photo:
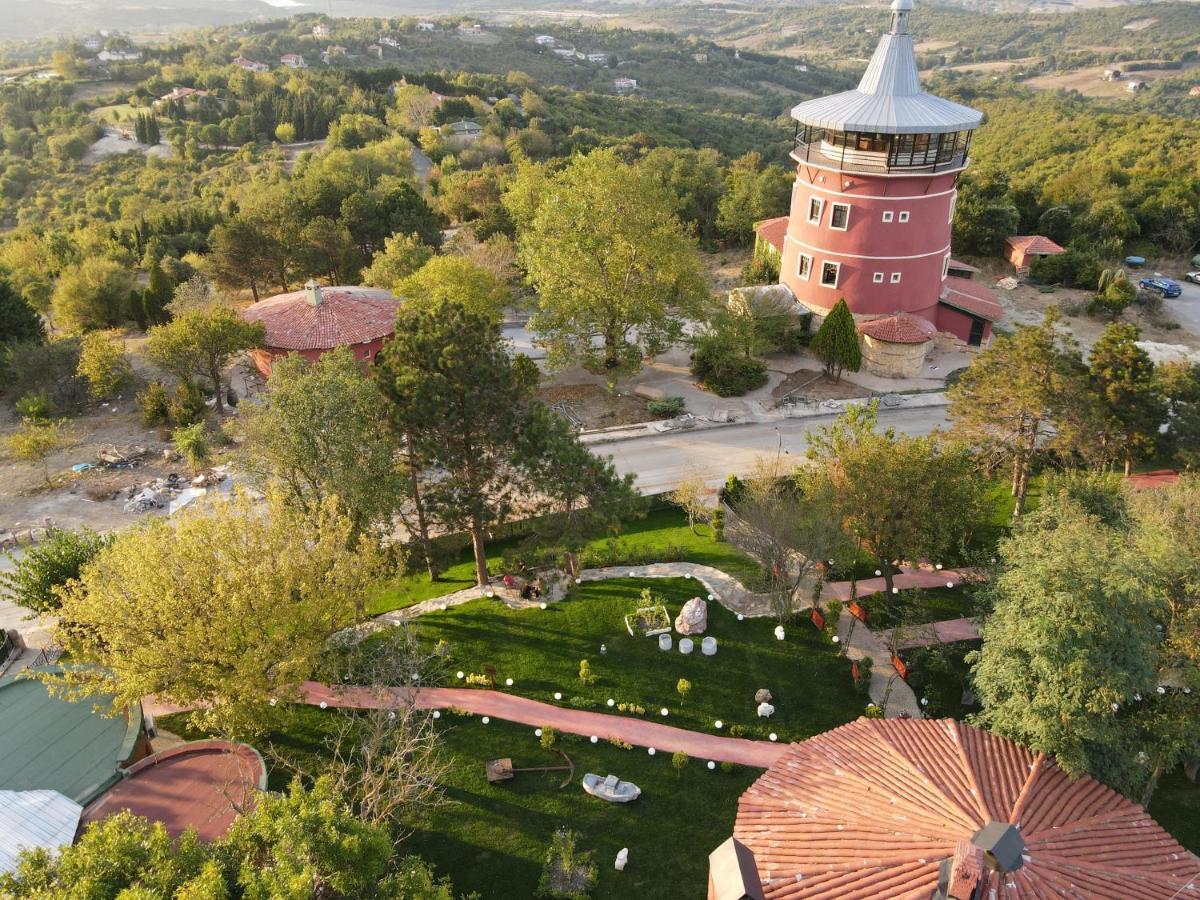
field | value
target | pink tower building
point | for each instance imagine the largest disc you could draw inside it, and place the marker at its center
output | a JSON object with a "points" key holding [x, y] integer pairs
{"points": [[872, 206]]}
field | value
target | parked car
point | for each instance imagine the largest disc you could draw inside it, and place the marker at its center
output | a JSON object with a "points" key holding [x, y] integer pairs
{"points": [[1193, 277], [1165, 286]]}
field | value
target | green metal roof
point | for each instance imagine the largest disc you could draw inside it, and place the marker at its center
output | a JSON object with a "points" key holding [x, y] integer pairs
{"points": [[50, 743]]}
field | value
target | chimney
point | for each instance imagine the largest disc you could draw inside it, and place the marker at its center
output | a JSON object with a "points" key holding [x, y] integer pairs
{"points": [[961, 874], [313, 290], [732, 873]]}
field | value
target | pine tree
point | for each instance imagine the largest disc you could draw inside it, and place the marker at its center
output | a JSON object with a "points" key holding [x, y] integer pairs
{"points": [[836, 342], [1123, 376]]}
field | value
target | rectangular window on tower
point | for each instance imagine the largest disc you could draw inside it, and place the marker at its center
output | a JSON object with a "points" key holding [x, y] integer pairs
{"points": [[895, 278], [815, 206], [839, 217], [945, 266], [877, 278], [804, 266], [829, 273], [904, 216], [888, 215]]}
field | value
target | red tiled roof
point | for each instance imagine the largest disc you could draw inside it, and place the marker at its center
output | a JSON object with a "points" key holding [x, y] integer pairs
{"points": [[868, 811], [345, 316], [1035, 244], [901, 328], [772, 231], [199, 785], [966, 267], [973, 297]]}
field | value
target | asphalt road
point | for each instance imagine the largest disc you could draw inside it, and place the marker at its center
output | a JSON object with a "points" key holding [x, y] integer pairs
{"points": [[661, 461], [1185, 309]]}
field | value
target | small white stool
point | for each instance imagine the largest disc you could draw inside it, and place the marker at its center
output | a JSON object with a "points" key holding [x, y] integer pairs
{"points": [[708, 646], [685, 646], [664, 642]]}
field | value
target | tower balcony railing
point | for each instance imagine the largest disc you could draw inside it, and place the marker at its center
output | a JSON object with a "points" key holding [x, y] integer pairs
{"points": [[882, 154]]}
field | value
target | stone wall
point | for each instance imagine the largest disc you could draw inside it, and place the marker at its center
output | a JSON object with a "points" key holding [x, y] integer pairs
{"points": [[889, 360]]}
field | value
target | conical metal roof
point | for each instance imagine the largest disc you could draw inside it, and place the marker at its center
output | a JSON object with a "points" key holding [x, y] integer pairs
{"points": [[889, 99]]}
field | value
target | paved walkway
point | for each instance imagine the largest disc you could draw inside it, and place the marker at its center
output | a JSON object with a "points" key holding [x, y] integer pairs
{"points": [[923, 576], [511, 708], [948, 631]]}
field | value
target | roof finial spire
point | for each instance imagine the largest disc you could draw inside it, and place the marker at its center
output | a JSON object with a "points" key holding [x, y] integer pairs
{"points": [[900, 11]]}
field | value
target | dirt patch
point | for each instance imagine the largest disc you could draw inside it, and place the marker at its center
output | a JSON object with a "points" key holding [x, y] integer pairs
{"points": [[815, 384], [1139, 24], [591, 406], [1090, 83], [725, 268]]}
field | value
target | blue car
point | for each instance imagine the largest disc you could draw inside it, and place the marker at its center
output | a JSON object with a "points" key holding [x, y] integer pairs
{"points": [[1164, 286]]}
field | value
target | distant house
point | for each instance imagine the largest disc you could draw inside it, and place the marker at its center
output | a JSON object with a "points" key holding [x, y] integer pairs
{"points": [[565, 52], [768, 239], [700, 57], [544, 40], [469, 28], [377, 49], [1134, 85], [321, 30], [388, 41], [426, 26], [334, 51], [463, 133], [1194, 92], [600, 58], [1023, 249], [1112, 74], [182, 94], [93, 42], [800, 67], [250, 65], [625, 85], [119, 55], [293, 61]]}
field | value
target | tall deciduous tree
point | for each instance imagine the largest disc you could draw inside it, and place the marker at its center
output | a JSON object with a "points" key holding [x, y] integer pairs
{"points": [[753, 192], [1123, 376], [401, 256], [18, 320], [1180, 386], [320, 432], [456, 278], [836, 342], [610, 261], [243, 254], [902, 497], [201, 343], [92, 294], [219, 609], [1070, 648], [1020, 398], [43, 568], [458, 401]]}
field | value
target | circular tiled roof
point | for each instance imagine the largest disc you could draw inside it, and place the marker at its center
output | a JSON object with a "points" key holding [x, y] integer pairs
{"points": [[901, 328], [873, 809], [342, 317]]}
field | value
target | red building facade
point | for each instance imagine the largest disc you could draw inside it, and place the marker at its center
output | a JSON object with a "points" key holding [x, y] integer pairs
{"points": [[873, 202]]}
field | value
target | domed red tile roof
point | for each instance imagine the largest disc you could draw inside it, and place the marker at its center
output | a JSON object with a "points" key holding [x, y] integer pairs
{"points": [[870, 810], [344, 316], [901, 328]]}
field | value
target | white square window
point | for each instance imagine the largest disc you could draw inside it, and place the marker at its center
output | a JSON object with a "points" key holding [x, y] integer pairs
{"points": [[953, 204], [815, 207], [804, 266], [877, 278], [904, 216], [945, 265], [829, 273], [888, 215], [895, 278], [839, 216]]}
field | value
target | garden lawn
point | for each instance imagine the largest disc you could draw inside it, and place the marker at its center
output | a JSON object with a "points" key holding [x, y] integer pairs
{"points": [[919, 606], [1175, 805], [541, 651], [492, 838], [661, 536]]}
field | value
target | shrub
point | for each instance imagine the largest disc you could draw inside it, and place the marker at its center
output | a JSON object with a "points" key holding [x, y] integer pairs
{"points": [[582, 702], [479, 680], [737, 731], [729, 768], [724, 371], [187, 405], [1075, 268], [679, 760], [1111, 301], [192, 443], [666, 408], [37, 407], [735, 490], [863, 682], [32, 366], [873, 711], [103, 364], [631, 708], [586, 676], [762, 269], [155, 405], [617, 742], [718, 523], [568, 873], [683, 687], [48, 565], [549, 735]]}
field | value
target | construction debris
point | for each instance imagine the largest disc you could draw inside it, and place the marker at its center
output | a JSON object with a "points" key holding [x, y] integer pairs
{"points": [[163, 493], [112, 457]]}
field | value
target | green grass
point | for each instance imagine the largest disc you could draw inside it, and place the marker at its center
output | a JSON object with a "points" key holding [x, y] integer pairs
{"points": [[939, 674], [919, 606], [661, 536], [492, 838], [541, 651], [1176, 807]]}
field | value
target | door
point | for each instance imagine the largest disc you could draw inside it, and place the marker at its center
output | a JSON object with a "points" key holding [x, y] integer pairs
{"points": [[976, 337]]}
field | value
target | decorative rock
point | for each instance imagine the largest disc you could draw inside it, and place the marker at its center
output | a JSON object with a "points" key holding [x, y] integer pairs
{"points": [[762, 695], [693, 618], [708, 646], [665, 642], [779, 633], [765, 710], [686, 645], [622, 859]]}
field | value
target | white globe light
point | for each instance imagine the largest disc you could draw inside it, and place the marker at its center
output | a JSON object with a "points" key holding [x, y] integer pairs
{"points": [[651, 751], [895, 590], [877, 572], [938, 567], [537, 732], [665, 711], [594, 739], [437, 714], [579, 581], [323, 704], [710, 596], [612, 702], [1115, 707], [773, 736], [392, 714], [1161, 689], [557, 695], [414, 676], [924, 701], [508, 682], [711, 765], [836, 639], [719, 723], [459, 675], [740, 617], [272, 701], [949, 584], [632, 574], [485, 720], [489, 594], [542, 605]]}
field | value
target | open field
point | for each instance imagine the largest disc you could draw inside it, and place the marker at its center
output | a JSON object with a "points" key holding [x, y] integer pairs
{"points": [[1089, 83]]}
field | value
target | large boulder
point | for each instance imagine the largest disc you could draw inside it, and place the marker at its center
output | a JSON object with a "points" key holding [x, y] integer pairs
{"points": [[693, 618]]}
